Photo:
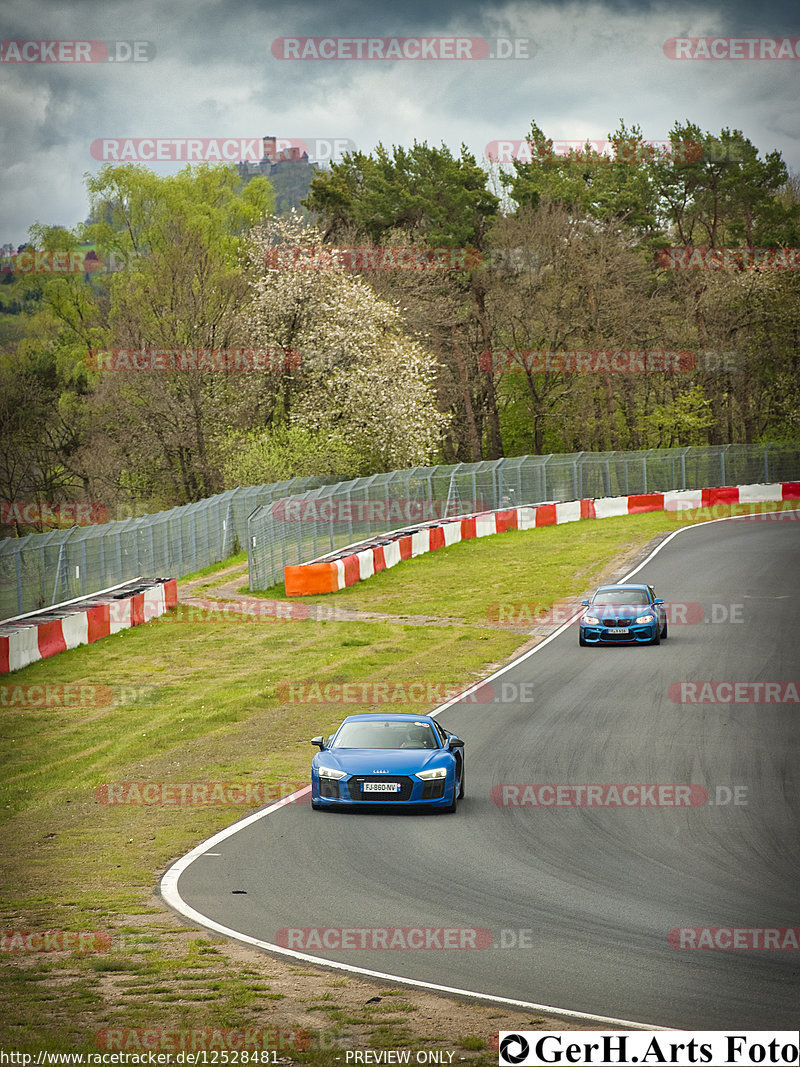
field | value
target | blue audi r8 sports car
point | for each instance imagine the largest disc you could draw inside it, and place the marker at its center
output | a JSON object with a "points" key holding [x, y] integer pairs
{"points": [[623, 614], [390, 758]]}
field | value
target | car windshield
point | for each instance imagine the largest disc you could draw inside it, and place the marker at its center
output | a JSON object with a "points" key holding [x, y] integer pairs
{"points": [[621, 596], [385, 733]]}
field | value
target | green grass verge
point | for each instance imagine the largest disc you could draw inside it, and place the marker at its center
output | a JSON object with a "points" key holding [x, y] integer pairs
{"points": [[521, 566]]}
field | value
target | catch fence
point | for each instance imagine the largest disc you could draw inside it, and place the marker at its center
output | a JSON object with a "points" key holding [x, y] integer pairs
{"points": [[39, 570], [298, 520], [303, 526]]}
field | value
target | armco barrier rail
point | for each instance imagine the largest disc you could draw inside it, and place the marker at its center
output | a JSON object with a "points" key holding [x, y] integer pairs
{"points": [[305, 526], [338, 570], [42, 634], [44, 569]]}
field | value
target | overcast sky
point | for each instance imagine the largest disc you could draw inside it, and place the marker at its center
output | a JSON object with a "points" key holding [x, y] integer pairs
{"points": [[212, 73]]}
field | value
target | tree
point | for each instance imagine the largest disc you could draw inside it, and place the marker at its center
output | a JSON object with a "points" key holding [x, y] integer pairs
{"points": [[183, 288], [722, 194], [614, 188], [361, 379], [428, 196]]}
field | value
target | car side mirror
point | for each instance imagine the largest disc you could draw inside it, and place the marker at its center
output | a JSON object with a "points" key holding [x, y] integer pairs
{"points": [[585, 603], [455, 742], [318, 741], [658, 600]]}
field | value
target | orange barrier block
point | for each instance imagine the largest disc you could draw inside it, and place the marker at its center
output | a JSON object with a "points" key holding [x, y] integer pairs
{"points": [[308, 578]]}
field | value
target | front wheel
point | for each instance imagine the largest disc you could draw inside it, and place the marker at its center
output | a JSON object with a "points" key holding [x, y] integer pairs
{"points": [[452, 806], [664, 632], [657, 639], [461, 786]]}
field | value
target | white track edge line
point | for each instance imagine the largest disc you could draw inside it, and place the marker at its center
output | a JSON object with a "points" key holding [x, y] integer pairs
{"points": [[171, 894]]}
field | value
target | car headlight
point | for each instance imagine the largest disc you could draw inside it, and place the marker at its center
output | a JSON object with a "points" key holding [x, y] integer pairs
{"points": [[590, 620], [329, 772], [646, 618], [436, 772]]}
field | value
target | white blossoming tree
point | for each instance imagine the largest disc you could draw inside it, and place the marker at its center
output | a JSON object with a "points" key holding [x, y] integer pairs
{"points": [[360, 378]]}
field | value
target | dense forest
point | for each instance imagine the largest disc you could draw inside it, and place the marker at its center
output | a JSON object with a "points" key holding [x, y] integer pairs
{"points": [[472, 311]]}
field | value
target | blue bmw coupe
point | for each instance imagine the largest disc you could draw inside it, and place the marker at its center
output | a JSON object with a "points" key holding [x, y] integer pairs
{"points": [[623, 614], [393, 759]]}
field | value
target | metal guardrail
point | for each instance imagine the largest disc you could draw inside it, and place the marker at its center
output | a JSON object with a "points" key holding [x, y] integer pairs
{"points": [[297, 520]]}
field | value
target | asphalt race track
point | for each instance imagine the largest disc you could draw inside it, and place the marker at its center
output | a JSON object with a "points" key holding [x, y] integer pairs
{"points": [[594, 890]]}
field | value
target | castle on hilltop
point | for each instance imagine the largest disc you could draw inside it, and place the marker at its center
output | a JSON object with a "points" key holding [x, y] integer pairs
{"points": [[289, 171]]}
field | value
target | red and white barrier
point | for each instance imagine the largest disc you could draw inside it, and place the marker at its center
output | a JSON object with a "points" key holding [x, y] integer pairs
{"points": [[330, 575], [32, 637]]}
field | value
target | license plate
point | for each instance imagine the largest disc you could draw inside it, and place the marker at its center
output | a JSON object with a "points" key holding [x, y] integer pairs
{"points": [[618, 630], [380, 787]]}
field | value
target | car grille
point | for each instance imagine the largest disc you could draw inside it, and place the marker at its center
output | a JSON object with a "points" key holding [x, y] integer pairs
{"points": [[404, 793], [617, 622]]}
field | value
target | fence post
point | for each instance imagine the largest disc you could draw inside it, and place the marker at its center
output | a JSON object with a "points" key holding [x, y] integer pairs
{"points": [[18, 561], [578, 460], [723, 480], [59, 565], [83, 567]]}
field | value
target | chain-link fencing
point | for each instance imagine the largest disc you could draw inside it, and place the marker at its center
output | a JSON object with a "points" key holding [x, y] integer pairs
{"points": [[39, 570], [298, 520], [303, 526]]}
